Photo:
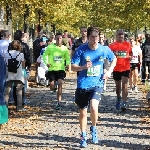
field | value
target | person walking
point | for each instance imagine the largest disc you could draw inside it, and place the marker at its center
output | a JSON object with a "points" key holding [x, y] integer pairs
{"points": [[15, 63]]}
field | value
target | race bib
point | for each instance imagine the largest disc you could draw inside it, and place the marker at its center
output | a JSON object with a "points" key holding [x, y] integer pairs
{"points": [[94, 71], [57, 58], [121, 54], [134, 59]]}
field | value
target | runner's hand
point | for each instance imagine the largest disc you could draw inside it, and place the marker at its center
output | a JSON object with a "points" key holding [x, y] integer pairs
{"points": [[107, 75], [48, 65], [88, 65], [130, 57], [67, 68]]}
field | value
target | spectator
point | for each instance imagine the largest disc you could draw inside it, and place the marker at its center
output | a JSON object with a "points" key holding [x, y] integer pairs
{"points": [[16, 78], [3, 48]]}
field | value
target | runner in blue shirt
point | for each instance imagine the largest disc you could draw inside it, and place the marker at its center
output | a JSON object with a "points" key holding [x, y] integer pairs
{"points": [[89, 60]]}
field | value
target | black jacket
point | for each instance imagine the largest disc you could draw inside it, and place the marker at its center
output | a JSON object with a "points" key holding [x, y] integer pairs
{"points": [[37, 48], [77, 43], [146, 51]]}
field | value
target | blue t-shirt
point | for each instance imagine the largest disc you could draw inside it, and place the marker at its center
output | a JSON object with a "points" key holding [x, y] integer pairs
{"points": [[92, 77]]}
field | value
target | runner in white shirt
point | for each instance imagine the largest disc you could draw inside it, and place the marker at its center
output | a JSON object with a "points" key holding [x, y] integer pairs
{"points": [[136, 54], [41, 71]]}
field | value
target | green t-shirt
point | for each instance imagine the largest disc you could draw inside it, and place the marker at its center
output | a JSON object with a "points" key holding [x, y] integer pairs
{"points": [[56, 56]]}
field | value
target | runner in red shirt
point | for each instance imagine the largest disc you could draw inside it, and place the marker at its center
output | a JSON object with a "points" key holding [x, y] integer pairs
{"points": [[122, 49]]}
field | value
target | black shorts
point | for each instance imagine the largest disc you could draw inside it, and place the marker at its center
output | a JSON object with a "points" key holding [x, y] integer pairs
{"points": [[55, 75], [83, 96], [117, 75], [134, 66]]}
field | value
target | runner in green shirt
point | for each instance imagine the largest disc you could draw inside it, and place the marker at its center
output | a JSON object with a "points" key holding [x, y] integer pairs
{"points": [[54, 57]]}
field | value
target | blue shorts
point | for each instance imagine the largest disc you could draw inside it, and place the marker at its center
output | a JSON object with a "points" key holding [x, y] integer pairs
{"points": [[83, 96]]}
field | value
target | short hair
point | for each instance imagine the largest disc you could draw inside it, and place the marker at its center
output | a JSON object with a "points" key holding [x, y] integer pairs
{"points": [[120, 30], [92, 29], [18, 35], [6, 34], [65, 31], [83, 27], [44, 32], [16, 45], [59, 33]]}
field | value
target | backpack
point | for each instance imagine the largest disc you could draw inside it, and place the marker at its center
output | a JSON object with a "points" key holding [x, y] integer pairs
{"points": [[13, 64]]}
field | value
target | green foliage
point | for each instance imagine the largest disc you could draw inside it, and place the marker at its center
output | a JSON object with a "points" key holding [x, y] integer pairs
{"points": [[71, 15]]}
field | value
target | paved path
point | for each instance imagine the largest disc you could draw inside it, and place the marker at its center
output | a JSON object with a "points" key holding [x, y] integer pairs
{"points": [[42, 128]]}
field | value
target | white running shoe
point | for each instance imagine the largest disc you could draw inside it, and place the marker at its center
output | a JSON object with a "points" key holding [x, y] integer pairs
{"points": [[130, 91], [135, 89], [104, 88]]}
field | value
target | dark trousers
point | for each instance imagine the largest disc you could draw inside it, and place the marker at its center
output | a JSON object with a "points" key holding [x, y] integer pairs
{"points": [[15, 95], [144, 65], [19, 86]]}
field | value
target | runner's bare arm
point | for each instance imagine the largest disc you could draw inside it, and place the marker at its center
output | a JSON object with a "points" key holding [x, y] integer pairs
{"points": [[140, 55], [113, 64], [111, 68], [75, 67]]}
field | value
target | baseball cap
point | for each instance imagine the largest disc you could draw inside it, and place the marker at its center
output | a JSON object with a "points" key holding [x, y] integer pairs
{"points": [[43, 39]]}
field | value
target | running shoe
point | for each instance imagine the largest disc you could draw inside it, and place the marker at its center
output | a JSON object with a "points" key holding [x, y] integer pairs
{"points": [[20, 109], [131, 91], [58, 107], [118, 103], [135, 89], [94, 134], [83, 139], [123, 106], [104, 88]]}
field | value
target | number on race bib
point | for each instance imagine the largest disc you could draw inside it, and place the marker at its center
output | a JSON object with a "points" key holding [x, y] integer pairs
{"points": [[94, 71], [57, 58], [121, 54]]}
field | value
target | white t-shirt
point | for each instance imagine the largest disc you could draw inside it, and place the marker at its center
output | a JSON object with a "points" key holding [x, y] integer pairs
{"points": [[20, 74], [4, 47], [42, 64], [135, 53]]}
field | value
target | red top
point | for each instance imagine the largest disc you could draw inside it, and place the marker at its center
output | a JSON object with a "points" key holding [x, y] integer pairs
{"points": [[122, 50]]}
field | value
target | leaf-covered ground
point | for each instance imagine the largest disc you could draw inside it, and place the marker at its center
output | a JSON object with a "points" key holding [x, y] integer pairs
{"points": [[41, 127]]}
